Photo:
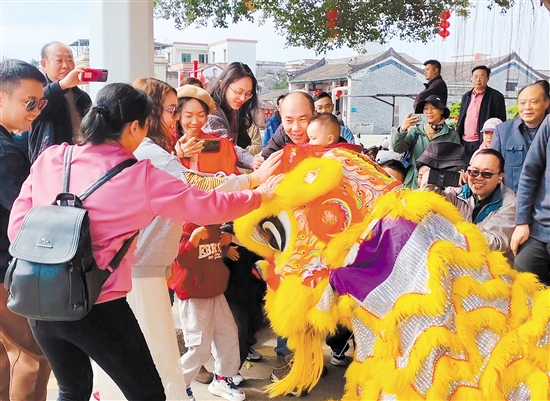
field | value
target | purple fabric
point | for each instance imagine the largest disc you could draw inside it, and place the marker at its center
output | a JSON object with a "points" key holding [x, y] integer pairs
{"points": [[375, 259]]}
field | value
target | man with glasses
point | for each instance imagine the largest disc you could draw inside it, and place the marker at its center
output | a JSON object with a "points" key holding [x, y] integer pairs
{"points": [[24, 372], [323, 104], [60, 121], [485, 201]]}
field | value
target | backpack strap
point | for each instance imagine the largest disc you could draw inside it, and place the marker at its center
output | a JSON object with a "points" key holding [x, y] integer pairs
{"points": [[67, 170], [121, 252], [107, 176], [102, 180]]}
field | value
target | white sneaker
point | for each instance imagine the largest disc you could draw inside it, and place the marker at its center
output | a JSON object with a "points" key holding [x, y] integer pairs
{"points": [[225, 388], [237, 379]]}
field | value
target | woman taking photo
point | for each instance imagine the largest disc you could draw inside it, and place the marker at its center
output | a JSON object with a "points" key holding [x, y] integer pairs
{"points": [[236, 98], [197, 150], [110, 334], [413, 136]]}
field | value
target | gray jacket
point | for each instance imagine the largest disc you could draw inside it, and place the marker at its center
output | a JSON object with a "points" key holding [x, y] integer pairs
{"points": [[158, 242], [496, 220]]}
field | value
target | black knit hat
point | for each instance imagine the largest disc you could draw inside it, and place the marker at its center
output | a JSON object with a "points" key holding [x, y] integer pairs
{"points": [[435, 101], [443, 155]]}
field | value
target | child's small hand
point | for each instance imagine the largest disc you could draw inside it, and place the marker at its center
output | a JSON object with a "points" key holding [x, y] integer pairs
{"points": [[225, 239], [233, 254], [198, 234]]}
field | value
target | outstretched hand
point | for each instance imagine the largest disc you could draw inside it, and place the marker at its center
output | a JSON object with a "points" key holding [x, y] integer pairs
{"points": [[267, 189], [266, 170]]}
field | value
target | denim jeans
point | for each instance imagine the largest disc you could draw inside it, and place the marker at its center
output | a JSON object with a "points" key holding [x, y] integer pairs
{"points": [[110, 335]]}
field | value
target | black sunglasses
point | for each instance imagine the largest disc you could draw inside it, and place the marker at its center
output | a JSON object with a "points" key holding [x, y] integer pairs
{"points": [[30, 105], [484, 174]]}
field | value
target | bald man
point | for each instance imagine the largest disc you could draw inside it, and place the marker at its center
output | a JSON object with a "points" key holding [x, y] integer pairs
{"points": [[296, 112], [60, 121]]}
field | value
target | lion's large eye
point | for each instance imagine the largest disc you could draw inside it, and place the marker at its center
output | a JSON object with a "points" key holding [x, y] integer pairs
{"points": [[275, 232]]}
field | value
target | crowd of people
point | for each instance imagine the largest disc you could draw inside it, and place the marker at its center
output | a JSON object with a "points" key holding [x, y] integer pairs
{"points": [[200, 149]]}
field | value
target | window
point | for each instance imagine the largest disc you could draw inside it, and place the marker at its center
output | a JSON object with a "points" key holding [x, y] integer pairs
{"points": [[224, 54], [511, 86], [186, 57], [213, 57], [203, 58]]}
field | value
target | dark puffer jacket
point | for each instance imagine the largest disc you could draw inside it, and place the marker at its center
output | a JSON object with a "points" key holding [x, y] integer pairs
{"points": [[53, 125]]}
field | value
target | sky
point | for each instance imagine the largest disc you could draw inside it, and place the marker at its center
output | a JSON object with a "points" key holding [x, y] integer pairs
{"points": [[25, 26]]}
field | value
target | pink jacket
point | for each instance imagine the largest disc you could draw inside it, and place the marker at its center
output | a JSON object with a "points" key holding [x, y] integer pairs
{"points": [[126, 203]]}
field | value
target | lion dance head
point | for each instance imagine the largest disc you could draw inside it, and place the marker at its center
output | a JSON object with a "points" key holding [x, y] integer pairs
{"points": [[435, 313]]}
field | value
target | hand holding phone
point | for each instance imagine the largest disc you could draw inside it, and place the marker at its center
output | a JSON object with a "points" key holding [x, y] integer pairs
{"points": [[422, 119], [211, 146], [94, 75], [443, 178]]}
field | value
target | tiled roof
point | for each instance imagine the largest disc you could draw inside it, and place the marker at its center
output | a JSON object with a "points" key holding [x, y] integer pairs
{"points": [[338, 69]]}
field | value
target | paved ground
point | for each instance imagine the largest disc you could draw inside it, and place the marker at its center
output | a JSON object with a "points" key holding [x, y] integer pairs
{"points": [[257, 376]]}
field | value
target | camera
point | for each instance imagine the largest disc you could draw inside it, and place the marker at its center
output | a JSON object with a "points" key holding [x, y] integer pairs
{"points": [[443, 178]]}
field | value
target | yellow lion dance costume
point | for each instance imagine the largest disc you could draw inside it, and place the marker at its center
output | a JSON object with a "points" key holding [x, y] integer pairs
{"points": [[436, 315]]}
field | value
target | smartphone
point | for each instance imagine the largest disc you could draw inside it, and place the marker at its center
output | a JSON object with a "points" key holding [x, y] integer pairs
{"points": [[94, 75], [444, 178], [211, 145], [423, 119]]}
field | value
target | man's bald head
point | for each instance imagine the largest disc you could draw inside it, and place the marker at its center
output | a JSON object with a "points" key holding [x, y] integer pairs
{"points": [[296, 112], [57, 60]]}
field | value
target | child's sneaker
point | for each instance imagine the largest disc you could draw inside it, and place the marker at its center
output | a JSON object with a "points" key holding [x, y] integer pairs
{"points": [[190, 395], [225, 388]]}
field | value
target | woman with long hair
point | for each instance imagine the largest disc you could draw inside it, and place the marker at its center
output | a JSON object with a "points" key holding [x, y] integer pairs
{"points": [[235, 93], [110, 334]]}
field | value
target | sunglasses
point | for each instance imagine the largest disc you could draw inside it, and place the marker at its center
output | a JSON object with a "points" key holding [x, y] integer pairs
{"points": [[484, 174], [33, 104], [174, 110]]}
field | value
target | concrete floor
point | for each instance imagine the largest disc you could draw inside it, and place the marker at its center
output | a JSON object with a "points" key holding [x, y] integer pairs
{"points": [[256, 375]]}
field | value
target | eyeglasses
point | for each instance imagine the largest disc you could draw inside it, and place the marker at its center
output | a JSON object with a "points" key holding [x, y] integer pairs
{"points": [[484, 174], [173, 110], [241, 94], [30, 105]]}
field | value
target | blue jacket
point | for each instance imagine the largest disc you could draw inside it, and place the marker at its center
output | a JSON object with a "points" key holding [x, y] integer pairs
{"points": [[346, 133], [271, 126], [510, 140], [534, 186]]}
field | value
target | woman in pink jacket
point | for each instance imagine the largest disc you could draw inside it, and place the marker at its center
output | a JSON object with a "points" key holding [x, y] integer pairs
{"points": [[110, 334]]}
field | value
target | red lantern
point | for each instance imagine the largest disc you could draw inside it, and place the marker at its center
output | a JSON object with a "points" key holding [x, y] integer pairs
{"points": [[445, 15], [338, 94], [331, 24], [445, 24], [316, 92], [332, 14], [444, 33]]}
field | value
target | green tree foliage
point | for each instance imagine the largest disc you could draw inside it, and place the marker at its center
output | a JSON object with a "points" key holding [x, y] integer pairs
{"points": [[307, 22], [282, 84], [512, 111]]}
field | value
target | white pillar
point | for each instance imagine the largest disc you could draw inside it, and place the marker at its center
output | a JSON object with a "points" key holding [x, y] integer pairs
{"points": [[121, 40]]}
